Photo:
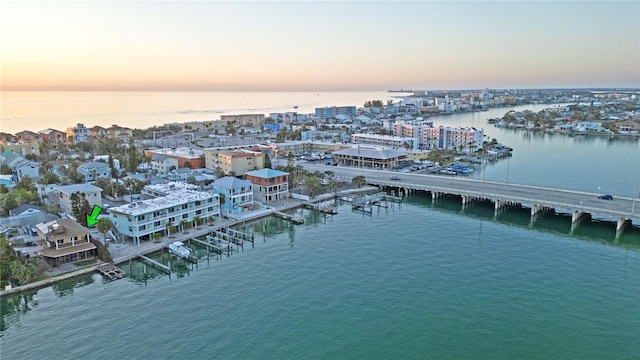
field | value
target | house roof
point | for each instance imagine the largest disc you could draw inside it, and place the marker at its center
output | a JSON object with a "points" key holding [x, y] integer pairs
{"points": [[22, 208], [83, 188], [181, 171], [231, 182], [266, 173]]}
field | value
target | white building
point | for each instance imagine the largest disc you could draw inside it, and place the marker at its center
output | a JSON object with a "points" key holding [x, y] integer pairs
{"points": [[395, 142], [92, 193], [175, 203], [453, 138]]}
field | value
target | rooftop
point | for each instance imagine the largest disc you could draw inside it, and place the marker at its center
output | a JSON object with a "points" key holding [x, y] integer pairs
{"points": [[371, 152], [162, 202], [179, 152], [83, 188], [267, 173], [231, 182]]}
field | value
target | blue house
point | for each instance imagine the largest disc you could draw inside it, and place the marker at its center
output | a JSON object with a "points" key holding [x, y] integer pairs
{"points": [[238, 194]]}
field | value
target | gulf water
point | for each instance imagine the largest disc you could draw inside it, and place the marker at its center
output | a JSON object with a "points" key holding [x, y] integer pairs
{"points": [[419, 280]]}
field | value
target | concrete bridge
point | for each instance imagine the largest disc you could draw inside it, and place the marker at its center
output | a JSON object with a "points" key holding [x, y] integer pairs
{"points": [[582, 205], [541, 200]]}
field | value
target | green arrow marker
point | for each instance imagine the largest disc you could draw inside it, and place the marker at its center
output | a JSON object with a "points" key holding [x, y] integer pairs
{"points": [[93, 218]]}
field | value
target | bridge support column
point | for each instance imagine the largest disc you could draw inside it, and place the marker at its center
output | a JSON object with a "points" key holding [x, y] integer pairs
{"points": [[622, 224], [576, 219], [538, 211], [499, 207], [435, 195]]}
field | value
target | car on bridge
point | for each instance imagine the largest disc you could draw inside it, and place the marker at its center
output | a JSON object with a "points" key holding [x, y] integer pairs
{"points": [[395, 178], [605, 197]]}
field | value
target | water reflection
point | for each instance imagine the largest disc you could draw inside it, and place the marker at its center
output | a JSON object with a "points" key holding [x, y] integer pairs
{"points": [[13, 307], [66, 287], [557, 223]]}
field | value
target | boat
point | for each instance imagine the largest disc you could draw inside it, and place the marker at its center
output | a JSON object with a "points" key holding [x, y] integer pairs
{"points": [[180, 249]]}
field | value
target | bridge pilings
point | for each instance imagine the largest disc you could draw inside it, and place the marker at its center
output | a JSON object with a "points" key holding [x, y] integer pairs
{"points": [[538, 211], [502, 205], [577, 217], [621, 225]]}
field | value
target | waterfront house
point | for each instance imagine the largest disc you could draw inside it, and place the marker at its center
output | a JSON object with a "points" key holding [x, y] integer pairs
{"points": [[62, 196], [65, 241], [628, 127], [175, 203], [269, 185], [238, 194]]}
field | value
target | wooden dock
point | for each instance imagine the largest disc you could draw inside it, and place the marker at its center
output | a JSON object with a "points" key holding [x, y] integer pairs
{"points": [[111, 272], [327, 209], [192, 259], [292, 218], [155, 264], [212, 247]]}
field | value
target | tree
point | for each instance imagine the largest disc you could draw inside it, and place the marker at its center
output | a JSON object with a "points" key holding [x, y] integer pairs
{"points": [[211, 220], [185, 226], [359, 181], [104, 226], [80, 207], [198, 221], [156, 237], [171, 229], [5, 169], [129, 183], [27, 184], [313, 185], [267, 161], [187, 164]]}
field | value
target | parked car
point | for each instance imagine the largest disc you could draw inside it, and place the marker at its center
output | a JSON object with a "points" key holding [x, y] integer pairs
{"points": [[605, 197]]}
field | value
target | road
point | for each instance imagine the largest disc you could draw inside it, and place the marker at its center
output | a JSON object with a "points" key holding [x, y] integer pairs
{"points": [[619, 207]]}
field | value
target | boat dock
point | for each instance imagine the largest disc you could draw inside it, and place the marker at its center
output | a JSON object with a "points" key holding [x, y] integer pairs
{"points": [[211, 247], [190, 258], [292, 218], [111, 272], [327, 209], [155, 264]]}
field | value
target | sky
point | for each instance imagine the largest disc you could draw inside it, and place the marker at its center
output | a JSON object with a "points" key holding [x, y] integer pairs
{"points": [[309, 46]]}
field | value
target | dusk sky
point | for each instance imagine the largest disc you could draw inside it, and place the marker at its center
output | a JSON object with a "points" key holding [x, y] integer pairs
{"points": [[151, 45]]}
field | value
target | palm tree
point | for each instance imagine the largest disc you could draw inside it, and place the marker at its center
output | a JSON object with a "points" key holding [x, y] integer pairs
{"points": [[185, 226], [171, 229], [156, 237], [104, 226], [198, 221], [211, 220], [359, 181]]}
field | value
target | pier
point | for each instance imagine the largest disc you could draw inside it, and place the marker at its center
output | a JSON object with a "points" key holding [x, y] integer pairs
{"points": [[111, 272], [292, 218], [155, 264]]}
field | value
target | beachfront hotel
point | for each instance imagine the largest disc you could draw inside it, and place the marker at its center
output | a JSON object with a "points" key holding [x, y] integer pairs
{"points": [[174, 203]]}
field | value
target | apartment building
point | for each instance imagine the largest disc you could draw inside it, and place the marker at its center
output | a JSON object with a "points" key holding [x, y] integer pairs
{"points": [[236, 162], [395, 142], [176, 203]]}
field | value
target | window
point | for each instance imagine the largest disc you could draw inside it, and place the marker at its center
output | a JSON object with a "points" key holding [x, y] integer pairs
{"points": [[157, 223], [60, 241], [184, 216]]}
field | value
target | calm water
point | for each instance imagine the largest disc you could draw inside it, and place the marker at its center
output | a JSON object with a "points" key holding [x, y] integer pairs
{"points": [[36, 111], [414, 281]]}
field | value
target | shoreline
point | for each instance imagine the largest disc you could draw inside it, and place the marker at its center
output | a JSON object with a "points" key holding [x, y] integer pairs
{"points": [[131, 252]]}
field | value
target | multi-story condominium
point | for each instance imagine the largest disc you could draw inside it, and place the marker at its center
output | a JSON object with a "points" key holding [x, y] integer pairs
{"points": [[330, 112], [191, 158], [62, 196], [234, 162], [244, 119], [453, 138], [177, 203], [395, 142], [269, 185], [238, 194], [65, 241]]}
